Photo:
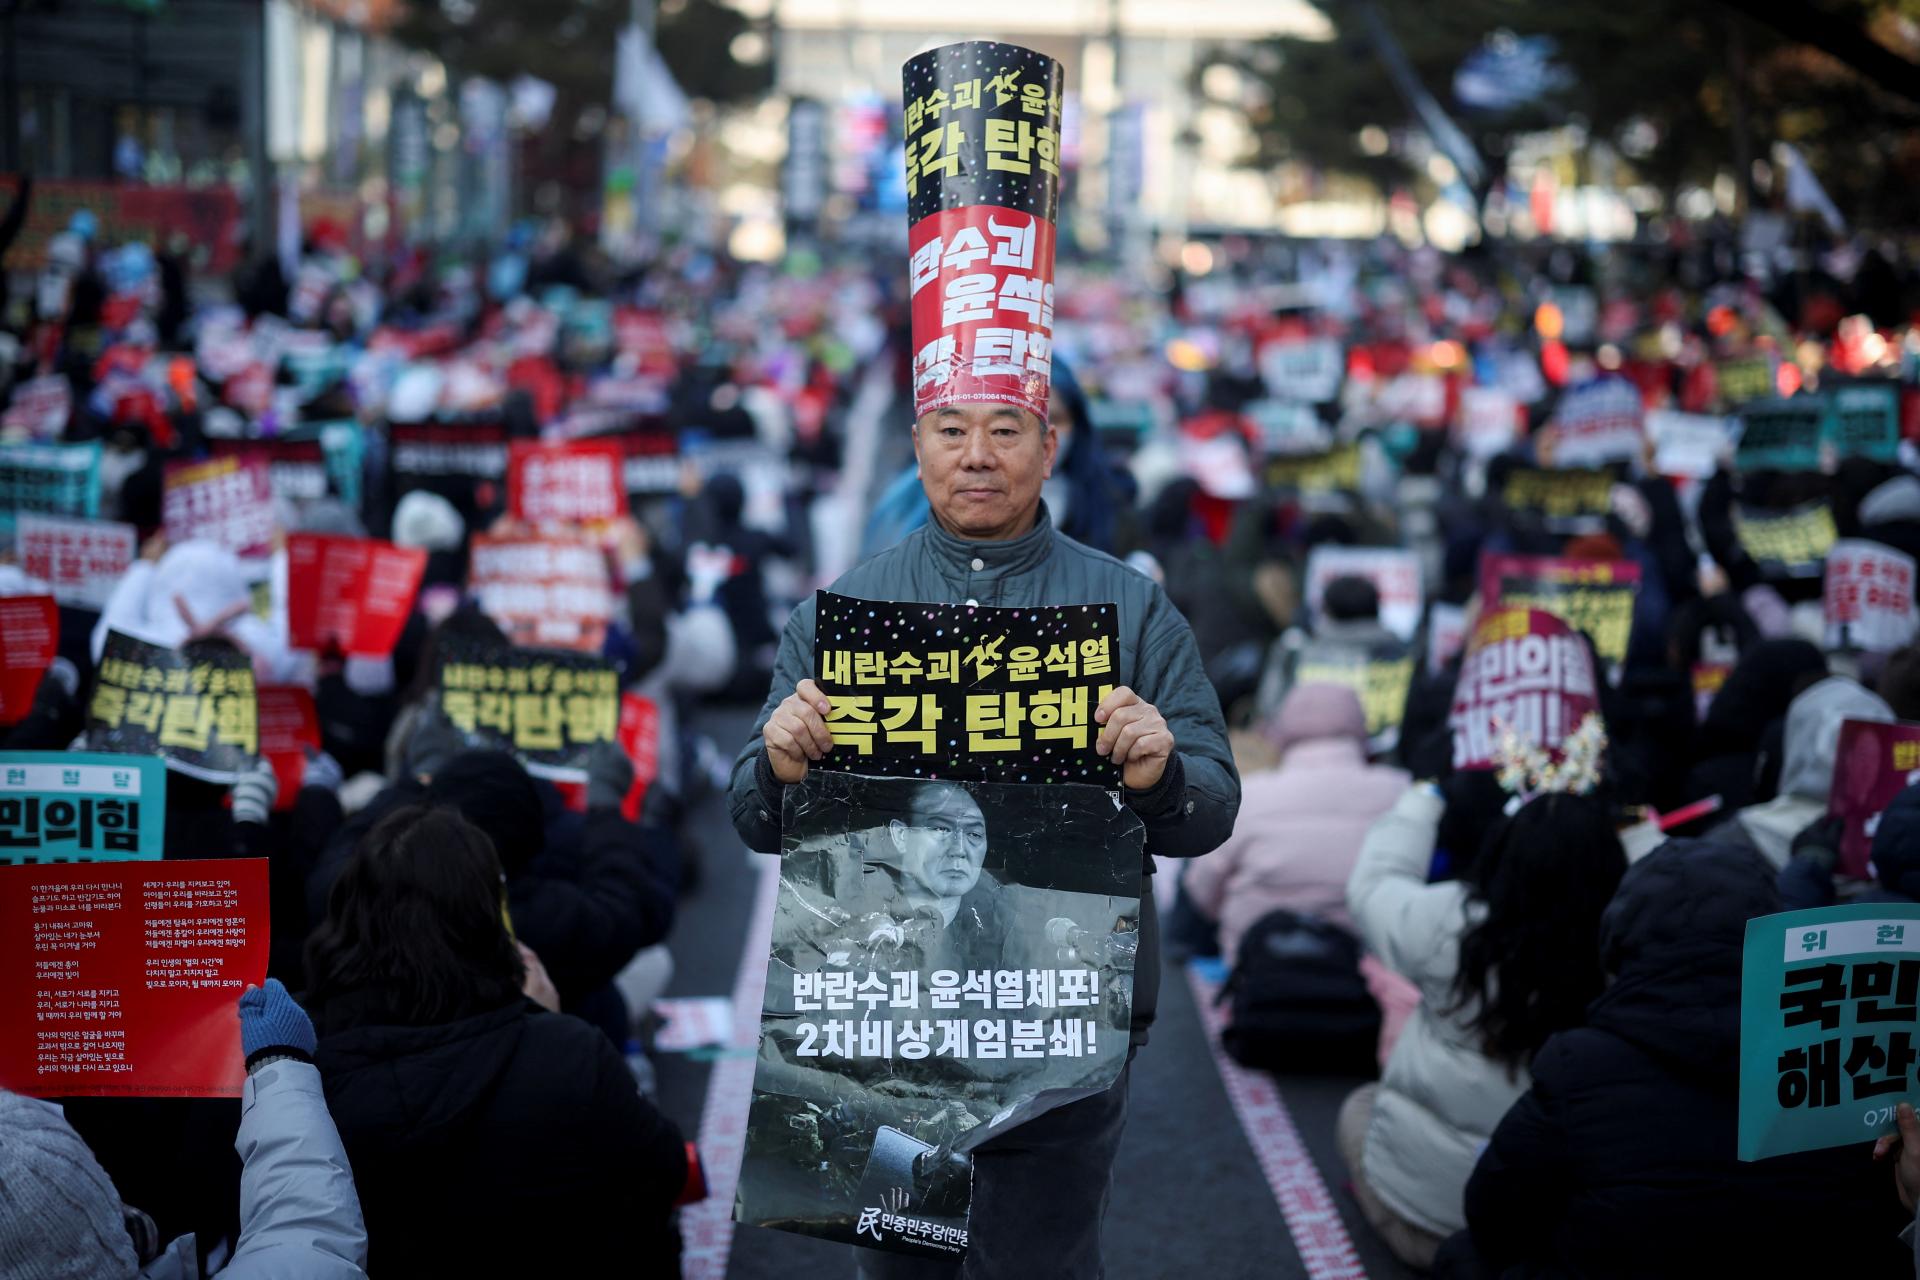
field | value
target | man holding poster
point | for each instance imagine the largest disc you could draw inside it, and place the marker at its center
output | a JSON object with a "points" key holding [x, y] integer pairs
{"points": [[983, 162]]}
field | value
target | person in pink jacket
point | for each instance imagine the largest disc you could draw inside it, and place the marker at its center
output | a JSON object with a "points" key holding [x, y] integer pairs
{"points": [[1300, 824]]}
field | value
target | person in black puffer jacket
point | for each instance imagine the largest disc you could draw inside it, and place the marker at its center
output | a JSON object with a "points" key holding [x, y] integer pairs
{"points": [[1620, 1160]]}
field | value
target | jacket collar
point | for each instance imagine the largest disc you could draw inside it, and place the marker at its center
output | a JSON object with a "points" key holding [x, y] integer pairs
{"points": [[956, 557]]}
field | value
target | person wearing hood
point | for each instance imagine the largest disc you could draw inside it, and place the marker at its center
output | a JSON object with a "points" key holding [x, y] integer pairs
{"points": [[489, 1136], [1737, 748], [1810, 741], [174, 594], [1619, 1160], [1300, 824]]}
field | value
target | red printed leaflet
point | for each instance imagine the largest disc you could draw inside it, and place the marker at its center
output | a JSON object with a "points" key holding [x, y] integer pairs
{"points": [[123, 978], [355, 593], [29, 638]]}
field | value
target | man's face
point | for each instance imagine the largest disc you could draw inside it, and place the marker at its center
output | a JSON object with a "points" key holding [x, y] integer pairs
{"points": [[982, 466], [942, 845]]}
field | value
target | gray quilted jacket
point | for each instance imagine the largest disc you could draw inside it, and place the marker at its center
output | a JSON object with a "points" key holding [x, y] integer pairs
{"points": [[1190, 811]]}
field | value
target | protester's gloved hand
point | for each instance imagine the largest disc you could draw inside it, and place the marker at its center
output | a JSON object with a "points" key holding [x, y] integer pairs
{"points": [[609, 776], [1819, 842], [323, 771], [273, 1026], [255, 792]]}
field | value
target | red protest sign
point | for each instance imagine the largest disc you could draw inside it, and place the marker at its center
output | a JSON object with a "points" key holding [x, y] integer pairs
{"points": [[122, 977], [580, 482], [638, 736], [982, 308], [1527, 671], [29, 638], [207, 217], [1873, 763], [543, 591], [225, 500], [353, 593], [289, 724]]}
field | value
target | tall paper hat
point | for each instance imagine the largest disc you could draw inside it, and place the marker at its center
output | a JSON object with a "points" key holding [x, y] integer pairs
{"points": [[983, 189]]}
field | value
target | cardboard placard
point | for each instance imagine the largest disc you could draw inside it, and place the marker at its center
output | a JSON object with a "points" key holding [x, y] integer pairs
{"points": [[983, 173], [81, 806], [1394, 573], [948, 960], [962, 691], [196, 707], [548, 707], [1868, 597], [226, 500], [1594, 596], [1827, 1011], [549, 591], [1525, 670], [54, 479], [29, 639], [350, 594], [577, 483], [82, 560], [1874, 762], [124, 978]]}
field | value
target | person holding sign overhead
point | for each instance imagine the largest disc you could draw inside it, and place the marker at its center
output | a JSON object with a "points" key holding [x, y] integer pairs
{"points": [[982, 188]]}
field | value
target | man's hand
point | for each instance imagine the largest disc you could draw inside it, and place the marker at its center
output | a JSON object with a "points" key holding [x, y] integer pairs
{"points": [[1906, 1170], [1136, 736], [797, 733]]}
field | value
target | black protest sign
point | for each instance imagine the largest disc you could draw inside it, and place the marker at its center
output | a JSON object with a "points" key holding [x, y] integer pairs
{"points": [[196, 706], [982, 127], [464, 462], [1787, 544], [948, 960], [963, 691], [549, 707], [1568, 501]]}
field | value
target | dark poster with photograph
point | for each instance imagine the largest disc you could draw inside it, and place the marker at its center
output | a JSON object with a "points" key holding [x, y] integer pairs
{"points": [[948, 960], [965, 691]]}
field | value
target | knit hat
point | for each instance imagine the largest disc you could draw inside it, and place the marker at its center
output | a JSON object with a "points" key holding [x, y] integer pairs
{"points": [[493, 792], [1313, 711], [428, 522], [60, 1216]]}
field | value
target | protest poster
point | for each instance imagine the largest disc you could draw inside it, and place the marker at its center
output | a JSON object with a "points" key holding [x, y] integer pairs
{"points": [[53, 479], [81, 806], [1868, 597], [196, 707], [1874, 762], [289, 727], [1287, 426], [123, 979], [638, 734], [1863, 420], [941, 690], [1781, 435], [1379, 675], [1488, 421], [1335, 470], [225, 500], [39, 407], [582, 482], [551, 591], [353, 595], [1707, 678], [549, 707], [983, 176], [1394, 573], [1744, 379], [1599, 422], [29, 639], [1828, 1002], [1787, 544], [1569, 501], [82, 560], [1304, 370], [312, 461], [1524, 670], [1594, 596], [1690, 446], [949, 959], [463, 462]]}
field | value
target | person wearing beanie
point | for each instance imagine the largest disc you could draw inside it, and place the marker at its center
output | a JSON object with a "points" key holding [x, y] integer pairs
{"points": [[1301, 824], [62, 1219]]}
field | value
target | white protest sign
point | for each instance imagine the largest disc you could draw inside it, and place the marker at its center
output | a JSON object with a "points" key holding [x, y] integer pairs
{"points": [[1394, 573], [1308, 371], [1868, 598]]}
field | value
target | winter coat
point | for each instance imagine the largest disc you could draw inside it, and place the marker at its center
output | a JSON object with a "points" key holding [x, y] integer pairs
{"points": [[1811, 741], [1296, 839], [1188, 813], [1619, 1161], [510, 1142], [1729, 745], [1441, 1095]]}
